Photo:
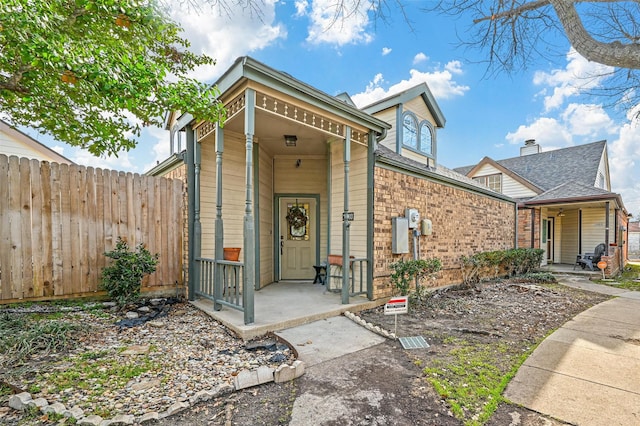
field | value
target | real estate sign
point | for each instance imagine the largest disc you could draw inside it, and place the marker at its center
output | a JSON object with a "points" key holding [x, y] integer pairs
{"points": [[397, 305]]}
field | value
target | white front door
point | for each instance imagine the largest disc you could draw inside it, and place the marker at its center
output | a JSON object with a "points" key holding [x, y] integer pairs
{"points": [[298, 235]]}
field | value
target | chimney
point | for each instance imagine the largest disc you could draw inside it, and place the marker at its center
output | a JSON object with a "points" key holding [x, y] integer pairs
{"points": [[530, 147]]}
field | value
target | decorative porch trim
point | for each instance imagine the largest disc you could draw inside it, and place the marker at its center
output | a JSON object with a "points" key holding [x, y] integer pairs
{"points": [[305, 117], [233, 107]]}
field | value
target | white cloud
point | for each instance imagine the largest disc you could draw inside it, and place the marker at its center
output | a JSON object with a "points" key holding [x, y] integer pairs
{"points": [[548, 132], [440, 83], [121, 162], [301, 7], [225, 37], [386, 51], [588, 120], [420, 57], [579, 75], [160, 149], [624, 164], [339, 23]]}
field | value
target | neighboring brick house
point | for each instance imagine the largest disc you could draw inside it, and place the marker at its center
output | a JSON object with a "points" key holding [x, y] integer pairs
{"points": [[296, 177], [565, 203]]}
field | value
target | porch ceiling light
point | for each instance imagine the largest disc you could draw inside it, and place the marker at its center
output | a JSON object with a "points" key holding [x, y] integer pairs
{"points": [[560, 213], [290, 140]]}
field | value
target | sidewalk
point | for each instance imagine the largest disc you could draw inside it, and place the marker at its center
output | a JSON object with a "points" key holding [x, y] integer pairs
{"points": [[588, 371]]}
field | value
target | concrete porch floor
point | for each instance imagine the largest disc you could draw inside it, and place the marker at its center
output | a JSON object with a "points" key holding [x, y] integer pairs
{"points": [[286, 304], [566, 268]]}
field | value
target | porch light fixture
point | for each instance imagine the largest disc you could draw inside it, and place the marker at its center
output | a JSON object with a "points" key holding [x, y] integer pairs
{"points": [[290, 140], [560, 213]]}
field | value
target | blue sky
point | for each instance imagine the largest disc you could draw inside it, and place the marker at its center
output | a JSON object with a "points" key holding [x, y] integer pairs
{"points": [[486, 116]]}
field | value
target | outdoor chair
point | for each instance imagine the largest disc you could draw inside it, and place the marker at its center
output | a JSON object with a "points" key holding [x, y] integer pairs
{"points": [[587, 260]]}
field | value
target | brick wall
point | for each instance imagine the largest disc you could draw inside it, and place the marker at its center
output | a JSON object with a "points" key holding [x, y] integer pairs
{"points": [[524, 228], [464, 223]]}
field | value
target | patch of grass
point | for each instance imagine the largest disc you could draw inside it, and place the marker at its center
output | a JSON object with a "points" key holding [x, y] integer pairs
{"points": [[471, 381], [626, 279], [97, 370], [5, 390], [22, 337]]}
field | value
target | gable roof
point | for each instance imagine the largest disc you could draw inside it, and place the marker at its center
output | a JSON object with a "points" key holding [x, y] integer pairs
{"points": [[549, 169], [45, 152], [421, 90], [504, 170], [439, 172], [572, 191]]}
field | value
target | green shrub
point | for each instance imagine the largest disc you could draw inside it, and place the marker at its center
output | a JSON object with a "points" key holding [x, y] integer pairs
{"points": [[492, 264], [406, 272], [122, 279]]}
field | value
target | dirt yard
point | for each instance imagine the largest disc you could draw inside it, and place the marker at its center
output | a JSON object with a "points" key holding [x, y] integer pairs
{"points": [[485, 329], [476, 336]]}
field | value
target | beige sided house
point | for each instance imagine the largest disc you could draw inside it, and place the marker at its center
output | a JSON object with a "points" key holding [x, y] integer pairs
{"points": [[296, 178], [565, 203], [14, 142]]}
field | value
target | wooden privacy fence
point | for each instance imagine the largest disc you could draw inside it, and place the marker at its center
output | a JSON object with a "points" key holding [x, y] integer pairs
{"points": [[57, 220]]}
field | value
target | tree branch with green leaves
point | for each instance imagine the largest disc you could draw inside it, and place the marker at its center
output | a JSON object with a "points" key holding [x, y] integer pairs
{"points": [[93, 73]]}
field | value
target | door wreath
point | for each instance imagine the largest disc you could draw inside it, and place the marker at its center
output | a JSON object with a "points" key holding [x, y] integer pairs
{"points": [[297, 217], [298, 220]]}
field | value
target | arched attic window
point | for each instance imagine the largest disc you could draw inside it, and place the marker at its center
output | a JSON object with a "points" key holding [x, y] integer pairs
{"points": [[426, 138], [421, 137], [409, 131]]}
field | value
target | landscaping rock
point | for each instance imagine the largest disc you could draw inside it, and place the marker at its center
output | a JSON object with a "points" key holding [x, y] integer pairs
{"points": [[39, 403], [20, 401], [177, 407], [75, 412], [149, 417], [91, 420], [122, 420], [55, 408]]}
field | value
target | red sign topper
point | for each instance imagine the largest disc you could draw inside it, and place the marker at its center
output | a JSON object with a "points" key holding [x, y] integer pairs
{"points": [[397, 305]]}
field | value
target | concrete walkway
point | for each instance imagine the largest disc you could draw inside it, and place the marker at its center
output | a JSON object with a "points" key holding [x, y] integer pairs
{"points": [[588, 371]]}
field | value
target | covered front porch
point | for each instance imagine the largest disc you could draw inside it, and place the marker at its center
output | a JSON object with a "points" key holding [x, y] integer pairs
{"points": [[567, 228], [287, 180], [284, 305]]}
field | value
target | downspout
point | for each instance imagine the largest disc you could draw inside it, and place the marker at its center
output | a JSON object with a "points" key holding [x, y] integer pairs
{"points": [[345, 222], [371, 149], [515, 237], [191, 190], [606, 228], [329, 202]]}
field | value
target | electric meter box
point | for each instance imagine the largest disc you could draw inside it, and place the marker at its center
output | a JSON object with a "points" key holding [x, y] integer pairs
{"points": [[413, 216], [399, 235]]}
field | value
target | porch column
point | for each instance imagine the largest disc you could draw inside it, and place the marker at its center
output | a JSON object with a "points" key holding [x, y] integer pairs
{"points": [[249, 226], [371, 162], [345, 222], [606, 228], [219, 225], [193, 212]]}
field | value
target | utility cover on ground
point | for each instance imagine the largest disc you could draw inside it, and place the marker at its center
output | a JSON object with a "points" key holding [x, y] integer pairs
{"points": [[416, 342]]}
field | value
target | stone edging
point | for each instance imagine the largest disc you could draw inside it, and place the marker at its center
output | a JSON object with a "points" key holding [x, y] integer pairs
{"points": [[244, 379], [373, 328]]}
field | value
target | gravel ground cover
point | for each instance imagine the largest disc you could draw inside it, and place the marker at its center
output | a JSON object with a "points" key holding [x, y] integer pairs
{"points": [[109, 370]]}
